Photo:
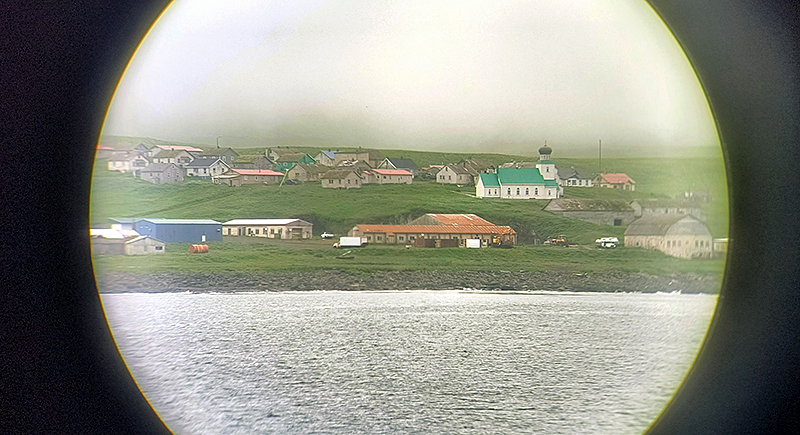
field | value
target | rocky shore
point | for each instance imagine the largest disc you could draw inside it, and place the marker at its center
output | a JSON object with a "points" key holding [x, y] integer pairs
{"points": [[121, 282]]}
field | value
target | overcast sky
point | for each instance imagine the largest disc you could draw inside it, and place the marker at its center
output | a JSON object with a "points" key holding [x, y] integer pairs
{"points": [[464, 75]]}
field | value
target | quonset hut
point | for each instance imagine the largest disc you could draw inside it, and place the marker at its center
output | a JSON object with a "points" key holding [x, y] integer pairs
{"points": [[180, 230], [678, 235]]}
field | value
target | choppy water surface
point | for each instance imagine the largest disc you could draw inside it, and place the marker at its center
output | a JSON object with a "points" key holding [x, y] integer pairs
{"points": [[408, 362]]}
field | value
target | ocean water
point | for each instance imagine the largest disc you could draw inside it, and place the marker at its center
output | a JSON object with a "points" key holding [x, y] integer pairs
{"points": [[417, 362]]}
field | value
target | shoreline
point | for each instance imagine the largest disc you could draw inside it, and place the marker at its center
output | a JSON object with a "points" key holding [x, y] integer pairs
{"points": [[608, 282]]}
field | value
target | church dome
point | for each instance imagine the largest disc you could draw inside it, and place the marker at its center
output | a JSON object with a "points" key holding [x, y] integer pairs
{"points": [[545, 150]]}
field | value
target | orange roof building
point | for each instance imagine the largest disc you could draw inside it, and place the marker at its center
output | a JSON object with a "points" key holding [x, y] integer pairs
{"points": [[407, 234], [450, 219], [615, 181]]}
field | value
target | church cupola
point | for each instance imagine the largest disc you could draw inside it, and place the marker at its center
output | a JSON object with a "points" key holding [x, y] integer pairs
{"points": [[545, 166], [544, 152]]}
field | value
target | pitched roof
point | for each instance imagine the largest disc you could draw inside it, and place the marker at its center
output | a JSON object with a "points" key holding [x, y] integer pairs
{"points": [[490, 180], [140, 238], [179, 148], [572, 171], [659, 203], [179, 221], [257, 172], [290, 157], [459, 219], [403, 163], [462, 170], [166, 154], [436, 229], [519, 176], [663, 224], [203, 162], [334, 174], [574, 204], [391, 172], [248, 158], [267, 222], [157, 167], [617, 178], [329, 153], [109, 233]]}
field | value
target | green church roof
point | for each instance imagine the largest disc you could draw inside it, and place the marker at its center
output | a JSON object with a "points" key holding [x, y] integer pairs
{"points": [[521, 176], [490, 180]]}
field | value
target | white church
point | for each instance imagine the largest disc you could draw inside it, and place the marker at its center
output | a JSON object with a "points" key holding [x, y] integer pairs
{"points": [[522, 183]]}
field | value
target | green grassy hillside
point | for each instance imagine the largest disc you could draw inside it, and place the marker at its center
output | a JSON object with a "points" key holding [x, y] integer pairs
{"points": [[120, 195]]}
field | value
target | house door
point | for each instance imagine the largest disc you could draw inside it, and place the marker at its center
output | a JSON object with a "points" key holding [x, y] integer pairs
{"points": [[203, 238]]}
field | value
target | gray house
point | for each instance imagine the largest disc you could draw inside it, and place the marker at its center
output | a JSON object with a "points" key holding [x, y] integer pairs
{"points": [[206, 168], [162, 173], [406, 164], [598, 211], [180, 230], [227, 155], [573, 176]]}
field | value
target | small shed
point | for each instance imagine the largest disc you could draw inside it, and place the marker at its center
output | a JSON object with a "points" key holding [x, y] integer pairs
{"points": [[110, 241], [682, 236], [144, 245]]}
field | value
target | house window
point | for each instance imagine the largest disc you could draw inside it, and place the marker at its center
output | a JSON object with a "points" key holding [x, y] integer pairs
{"points": [[369, 238], [400, 238], [517, 191], [536, 191], [617, 222], [527, 191], [379, 238], [159, 248], [509, 191], [330, 181]]}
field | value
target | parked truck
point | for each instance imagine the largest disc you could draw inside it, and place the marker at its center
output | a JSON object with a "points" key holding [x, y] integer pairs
{"points": [[349, 242], [607, 242]]}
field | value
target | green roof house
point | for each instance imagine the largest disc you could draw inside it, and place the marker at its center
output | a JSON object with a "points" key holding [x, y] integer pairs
{"points": [[517, 183]]}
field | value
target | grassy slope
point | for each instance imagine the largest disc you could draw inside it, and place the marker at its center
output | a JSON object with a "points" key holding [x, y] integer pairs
{"points": [[119, 195], [330, 210], [266, 255]]}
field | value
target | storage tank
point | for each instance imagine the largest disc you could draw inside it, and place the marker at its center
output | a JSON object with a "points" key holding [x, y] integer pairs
{"points": [[198, 249]]}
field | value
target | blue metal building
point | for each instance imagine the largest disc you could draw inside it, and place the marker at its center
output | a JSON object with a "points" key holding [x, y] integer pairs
{"points": [[180, 230]]}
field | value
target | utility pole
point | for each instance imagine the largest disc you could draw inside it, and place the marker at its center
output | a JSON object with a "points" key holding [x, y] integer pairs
{"points": [[599, 164], [218, 141]]}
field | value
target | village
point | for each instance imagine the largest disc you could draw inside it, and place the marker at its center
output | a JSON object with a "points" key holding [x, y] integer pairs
{"points": [[675, 227]]}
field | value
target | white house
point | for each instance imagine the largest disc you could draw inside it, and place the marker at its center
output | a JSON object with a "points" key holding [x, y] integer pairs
{"points": [[269, 228], [388, 176], [456, 174], [206, 168]]}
